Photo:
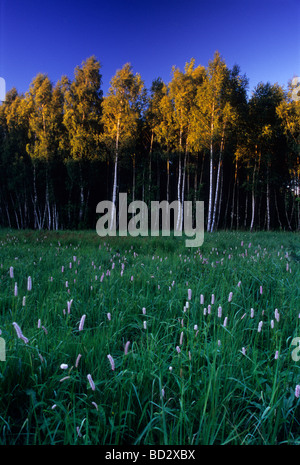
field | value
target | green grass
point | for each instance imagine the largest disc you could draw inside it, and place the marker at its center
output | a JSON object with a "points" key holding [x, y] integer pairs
{"points": [[208, 392]]}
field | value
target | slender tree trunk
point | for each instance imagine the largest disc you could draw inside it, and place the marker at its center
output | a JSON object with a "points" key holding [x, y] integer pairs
{"points": [[221, 197], [150, 167], [253, 190], [183, 187], [168, 180], [253, 200], [217, 183], [268, 201], [233, 194], [133, 177], [211, 168], [114, 192], [178, 223], [277, 211]]}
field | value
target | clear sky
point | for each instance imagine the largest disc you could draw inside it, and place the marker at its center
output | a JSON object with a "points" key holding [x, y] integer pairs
{"points": [[54, 36]]}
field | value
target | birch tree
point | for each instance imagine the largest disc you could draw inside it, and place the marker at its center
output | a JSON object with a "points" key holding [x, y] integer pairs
{"points": [[121, 108], [82, 119]]}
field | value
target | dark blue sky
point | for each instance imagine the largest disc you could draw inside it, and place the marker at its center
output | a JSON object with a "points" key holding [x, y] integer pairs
{"points": [[53, 37]]}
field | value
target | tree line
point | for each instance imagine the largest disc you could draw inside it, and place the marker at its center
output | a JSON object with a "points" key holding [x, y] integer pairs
{"points": [[65, 147]]}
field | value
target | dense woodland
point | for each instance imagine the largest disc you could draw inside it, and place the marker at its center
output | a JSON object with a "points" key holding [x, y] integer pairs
{"points": [[64, 147]]}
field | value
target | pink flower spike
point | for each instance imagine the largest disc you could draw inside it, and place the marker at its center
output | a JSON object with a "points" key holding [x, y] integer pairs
{"points": [[19, 332], [297, 391], [77, 360], [189, 294], [69, 303], [181, 338], [109, 316], [219, 311], [16, 290], [81, 324], [126, 347], [260, 290], [11, 271], [230, 297], [95, 405], [212, 299], [90, 380], [276, 355], [111, 361], [201, 299], [29, 283]]}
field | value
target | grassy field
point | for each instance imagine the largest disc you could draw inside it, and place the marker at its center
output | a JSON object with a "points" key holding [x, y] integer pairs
{"points": [[165, 354]]}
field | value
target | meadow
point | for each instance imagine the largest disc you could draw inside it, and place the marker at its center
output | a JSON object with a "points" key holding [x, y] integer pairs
{"points": [[144, 341]]}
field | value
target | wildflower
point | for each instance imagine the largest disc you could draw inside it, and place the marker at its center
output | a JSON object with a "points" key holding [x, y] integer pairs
{"points": [[260, 290], [69, 303], [62, 269], [181, 338], [90, 380], [162, 393], [77, 360], [39, 323], [170, 369], [189, 294], [272, 324], [126, 347], [64, 366], [53, 406], [276, 355], [243, 351], [45, 330], [252, 313], [219, 311], [145, 324], [297, 391], [19, 332], [212, 299], [239, 283], [64, 379], [109, 316], [144, 311], [195, 327], [81, 324], [11, 271], [178, 349], [201, 299], [276, 315], [209, 309], [259, 326], [230, 297], [95, 405], [111, 361], [24, 301], [16, 290], [225, 321]]}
